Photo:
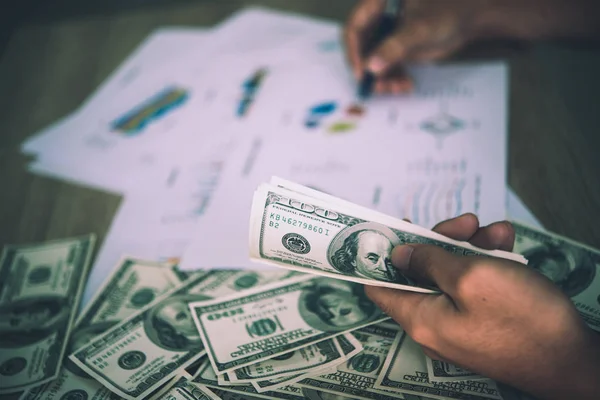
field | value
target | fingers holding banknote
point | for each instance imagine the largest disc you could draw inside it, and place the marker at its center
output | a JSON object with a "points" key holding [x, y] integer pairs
{"points": [[494, 317], [497, 236]]}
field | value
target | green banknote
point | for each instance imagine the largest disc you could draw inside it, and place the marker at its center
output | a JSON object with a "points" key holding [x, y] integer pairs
{"points": [[227, 395], [275, 319], [573, 266], [441, 371], [40, 289], [138, 355], [356, 377], [166, 387], [308, 361], [186, 390], [312, 394], [208, 378], [295, 231], [405, 371], [132, 285], [223, 282], [317, 355]]}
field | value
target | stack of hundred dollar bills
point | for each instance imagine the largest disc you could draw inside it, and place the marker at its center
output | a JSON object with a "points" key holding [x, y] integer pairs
{"points": [[305, 331]]}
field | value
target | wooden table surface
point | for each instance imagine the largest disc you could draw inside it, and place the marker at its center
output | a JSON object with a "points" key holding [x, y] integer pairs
{"points": [[50, 65]]}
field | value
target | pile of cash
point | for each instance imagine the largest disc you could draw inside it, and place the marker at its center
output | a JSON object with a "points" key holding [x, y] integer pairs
{"points": [[305, 331]]}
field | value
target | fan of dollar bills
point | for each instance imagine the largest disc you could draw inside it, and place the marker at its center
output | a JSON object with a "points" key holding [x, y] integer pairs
{"points": [[305, 331]]}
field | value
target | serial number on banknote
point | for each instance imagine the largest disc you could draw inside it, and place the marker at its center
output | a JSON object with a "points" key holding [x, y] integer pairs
{"points": [[277, 219]]}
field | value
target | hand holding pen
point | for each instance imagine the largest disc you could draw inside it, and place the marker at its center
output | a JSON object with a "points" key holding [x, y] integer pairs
{"points": [[382, 35]]}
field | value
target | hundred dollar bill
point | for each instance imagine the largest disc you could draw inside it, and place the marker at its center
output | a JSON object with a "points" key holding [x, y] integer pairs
{"points": [[186, 390], [346, 346], [227, 395], [573, 266], [144, 351], [220, 283], [192, 369], [321, 354], [167, 386], [40, 289], [132, 285], [289, 364], [305, 234], [277, 318], [441, 371], [289, 392], [208, 377], [224, 380], [405, 371], [277, 383], [356, 377], [312, 394]]}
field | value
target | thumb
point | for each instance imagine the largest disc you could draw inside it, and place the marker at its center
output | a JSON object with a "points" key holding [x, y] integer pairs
{"points": [[400, 305], [431, 265], [419, 314]]}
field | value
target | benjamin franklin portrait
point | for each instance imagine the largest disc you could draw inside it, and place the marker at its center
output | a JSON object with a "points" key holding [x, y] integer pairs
{"points": [[30, 320], [363, 250], [571, 268], [170, 324], [332, 305]]}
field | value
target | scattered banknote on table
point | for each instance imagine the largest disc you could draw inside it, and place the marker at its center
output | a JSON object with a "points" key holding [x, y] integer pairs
{"points": [[321, 357], [132, 285], [160, 340], [301, 229], [441, 371], [572, 266], [405, 371], [280, 317], [220, 283], [209, 378], [40, 289], [186, 390], [166, 389], [356, 378]]}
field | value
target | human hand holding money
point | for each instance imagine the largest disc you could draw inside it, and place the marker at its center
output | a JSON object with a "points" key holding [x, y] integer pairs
{"points": [[302, 229], [489, 306]]}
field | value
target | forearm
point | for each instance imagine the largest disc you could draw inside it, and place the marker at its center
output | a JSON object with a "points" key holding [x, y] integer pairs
{"points": [[540, 19]]}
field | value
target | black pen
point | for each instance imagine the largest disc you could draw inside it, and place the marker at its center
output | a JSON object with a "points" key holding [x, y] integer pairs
{"points": [[390, 20]]}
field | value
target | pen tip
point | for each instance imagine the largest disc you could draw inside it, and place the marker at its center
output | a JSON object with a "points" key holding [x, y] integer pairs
{"points": [[365, 86]]}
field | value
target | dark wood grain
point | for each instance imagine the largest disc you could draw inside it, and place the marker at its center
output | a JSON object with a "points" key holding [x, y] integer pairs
{"points": [[55, 61]]}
